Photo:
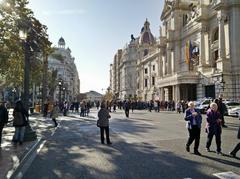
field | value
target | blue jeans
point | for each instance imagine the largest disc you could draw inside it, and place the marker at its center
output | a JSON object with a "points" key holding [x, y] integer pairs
{"points": [[19, 134]]}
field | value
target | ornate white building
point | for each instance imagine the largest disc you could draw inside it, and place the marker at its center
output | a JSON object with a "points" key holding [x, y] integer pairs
{"points": [[62, 61], [197, 54], [127, 77], [211, 27]]}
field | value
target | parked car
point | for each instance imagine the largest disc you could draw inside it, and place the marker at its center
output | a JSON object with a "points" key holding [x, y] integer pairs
{"points": [[233, 108], [235, 112], [203, 104]]}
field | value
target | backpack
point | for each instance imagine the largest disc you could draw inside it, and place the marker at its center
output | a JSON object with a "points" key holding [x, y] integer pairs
{"points": [[18, 119]]}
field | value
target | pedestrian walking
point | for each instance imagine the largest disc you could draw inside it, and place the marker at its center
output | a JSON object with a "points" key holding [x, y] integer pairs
{"points": [[54, 114], [97, 105], [3, 118], [194, 121], [114, 106], [45, 109], [221, 108], [237, 147], [103, 123], [127, 108], [158, 106], [65, 108], [213, 127], [82, 106], [132, 104], [179, 106], [20, 121]]}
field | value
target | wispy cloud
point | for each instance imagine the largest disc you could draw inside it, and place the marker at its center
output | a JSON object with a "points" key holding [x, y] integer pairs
{"points": [[65, 12]]}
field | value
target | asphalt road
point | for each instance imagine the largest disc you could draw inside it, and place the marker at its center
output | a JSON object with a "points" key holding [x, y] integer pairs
{"points": [[146, 145]]}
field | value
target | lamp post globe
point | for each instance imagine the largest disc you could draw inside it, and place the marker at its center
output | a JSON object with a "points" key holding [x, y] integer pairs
{"points": [[60, 83]]}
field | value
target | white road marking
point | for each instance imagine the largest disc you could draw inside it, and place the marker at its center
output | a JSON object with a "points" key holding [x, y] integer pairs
{"points": [[227, 175]]}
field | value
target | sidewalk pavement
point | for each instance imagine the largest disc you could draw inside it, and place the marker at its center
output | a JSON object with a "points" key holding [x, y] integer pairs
{"points": [[11, 156]]}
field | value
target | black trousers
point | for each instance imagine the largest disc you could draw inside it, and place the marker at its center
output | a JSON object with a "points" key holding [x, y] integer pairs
{"points": [[217, 138], [127, 112], [55, 122], [223, 120], [1, 129], [106, 129], [194, 134], [236, 149]]}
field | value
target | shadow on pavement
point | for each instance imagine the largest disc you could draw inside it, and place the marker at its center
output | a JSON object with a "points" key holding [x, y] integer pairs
{"points": [[220, 160], [77, 153]]}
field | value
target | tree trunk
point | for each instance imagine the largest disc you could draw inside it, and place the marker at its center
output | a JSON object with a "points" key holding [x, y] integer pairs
{"points": [[44, 82]]}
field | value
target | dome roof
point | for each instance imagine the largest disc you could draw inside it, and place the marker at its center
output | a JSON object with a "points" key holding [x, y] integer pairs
{"points": [[146, 36], [61, 41]]}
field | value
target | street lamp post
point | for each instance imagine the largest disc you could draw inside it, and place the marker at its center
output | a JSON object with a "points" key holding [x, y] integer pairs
{"points": [[23, 36], [30, 135], [64, 93], [60, 90], [222, 82]]}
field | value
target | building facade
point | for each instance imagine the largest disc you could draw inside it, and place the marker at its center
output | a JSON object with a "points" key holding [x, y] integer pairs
{"points": [[196, 55], [127, 73], [62, 61], [198, 50]]}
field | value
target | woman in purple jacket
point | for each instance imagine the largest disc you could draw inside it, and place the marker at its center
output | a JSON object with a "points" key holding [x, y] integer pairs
{"points": [[213, 127], [194, 121]]}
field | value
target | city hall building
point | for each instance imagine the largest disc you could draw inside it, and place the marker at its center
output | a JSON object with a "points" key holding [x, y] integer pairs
{"points": [[199, 50], [196, 55]]}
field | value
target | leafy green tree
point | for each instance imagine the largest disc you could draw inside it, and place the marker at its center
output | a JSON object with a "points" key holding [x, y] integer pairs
{"points": [[14, 15]]}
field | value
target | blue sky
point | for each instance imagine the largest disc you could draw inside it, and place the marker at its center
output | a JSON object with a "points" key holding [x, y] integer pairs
{"points": [[95, 29]]}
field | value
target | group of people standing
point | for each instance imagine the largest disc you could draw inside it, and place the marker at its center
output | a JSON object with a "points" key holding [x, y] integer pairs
{"points": [[20, 121], [214, 123]]}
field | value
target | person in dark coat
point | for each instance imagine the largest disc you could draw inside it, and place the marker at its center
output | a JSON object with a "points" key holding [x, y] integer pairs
{"points": [[3, 118], [103, 123], [237, 147], [127, 106], [45, 109], [222, 109], [20, 115], [194, 121], [213, 127]]}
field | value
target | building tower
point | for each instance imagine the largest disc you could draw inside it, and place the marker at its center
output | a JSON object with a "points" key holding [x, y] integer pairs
{"points": [[61, 43]]}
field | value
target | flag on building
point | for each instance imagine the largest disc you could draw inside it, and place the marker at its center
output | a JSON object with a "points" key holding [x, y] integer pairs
{"points": [[188, 52]]}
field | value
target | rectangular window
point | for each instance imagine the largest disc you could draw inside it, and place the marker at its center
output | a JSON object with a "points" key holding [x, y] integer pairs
{"points": [[153, 67], [153, 80], [146, 70], [145, 84]]}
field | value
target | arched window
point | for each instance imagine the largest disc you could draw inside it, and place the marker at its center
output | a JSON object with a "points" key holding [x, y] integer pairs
{"points": [[215, 35]]}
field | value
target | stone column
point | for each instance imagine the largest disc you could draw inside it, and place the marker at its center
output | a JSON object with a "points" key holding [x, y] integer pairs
{"points": [[169, 65], [173, 92], [172, 62], [163, 65], [160, 65], [177, 93], [202, 58], [221, 16], [162, 94]]}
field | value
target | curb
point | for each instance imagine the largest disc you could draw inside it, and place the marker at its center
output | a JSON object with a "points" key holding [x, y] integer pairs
{"points": [[20, 167]]}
